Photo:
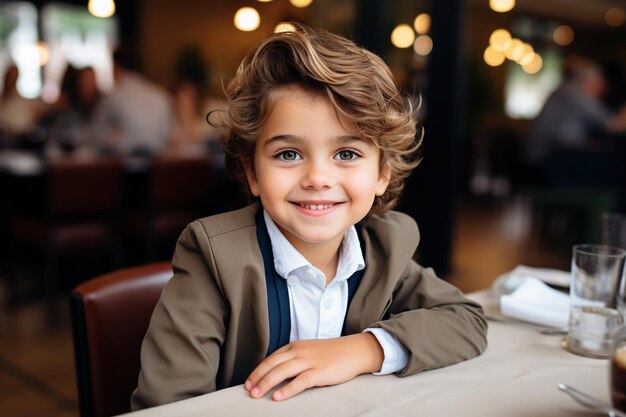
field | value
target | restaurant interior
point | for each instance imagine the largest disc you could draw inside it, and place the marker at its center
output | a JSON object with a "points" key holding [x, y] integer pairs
{"points": [[490, 193]]}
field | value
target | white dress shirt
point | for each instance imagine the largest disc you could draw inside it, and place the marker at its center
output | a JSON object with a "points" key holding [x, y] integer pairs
{"points": [[317, 311]]}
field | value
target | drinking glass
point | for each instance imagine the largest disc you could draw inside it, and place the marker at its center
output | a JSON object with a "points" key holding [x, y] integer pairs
{"points": [[595, 293]]}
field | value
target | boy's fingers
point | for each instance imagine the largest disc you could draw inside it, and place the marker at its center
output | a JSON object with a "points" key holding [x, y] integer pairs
{"points": [[264, 367], [277, 375], [302, 382]]}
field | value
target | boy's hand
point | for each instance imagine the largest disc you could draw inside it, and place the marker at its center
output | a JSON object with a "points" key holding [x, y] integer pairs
{"points": [[314, 363]]}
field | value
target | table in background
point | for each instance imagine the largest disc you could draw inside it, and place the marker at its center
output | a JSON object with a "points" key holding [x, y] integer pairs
{"points": [[516, 376]]}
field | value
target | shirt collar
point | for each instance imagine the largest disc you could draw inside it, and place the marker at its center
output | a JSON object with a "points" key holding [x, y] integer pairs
{"points": [[287, 259]]}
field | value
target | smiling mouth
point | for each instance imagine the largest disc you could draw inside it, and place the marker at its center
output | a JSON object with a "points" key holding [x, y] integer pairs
{"points": [[316, 206], [319, 206]]}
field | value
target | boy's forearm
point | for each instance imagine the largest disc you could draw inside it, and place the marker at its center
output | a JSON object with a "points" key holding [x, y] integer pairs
{"points": [[455, 333]]}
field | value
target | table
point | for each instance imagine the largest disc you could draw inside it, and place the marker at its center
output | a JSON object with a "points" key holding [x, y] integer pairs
{"points": [[516, 376]]}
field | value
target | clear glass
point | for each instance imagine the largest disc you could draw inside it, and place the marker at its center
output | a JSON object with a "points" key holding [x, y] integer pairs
{"points": [[595, 296]]}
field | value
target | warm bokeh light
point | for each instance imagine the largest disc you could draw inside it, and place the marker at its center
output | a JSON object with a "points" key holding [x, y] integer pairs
{"points": [[614, 16], [423, 45], [265, 1], [501, 6], [101, 8], [534, 66], [493, 57], [422, 23], [526, 56], [300, 3], [563, 35], [402, 36], [284, 27], [515, 49], [44, 54], [247, 19], [500, 39]]}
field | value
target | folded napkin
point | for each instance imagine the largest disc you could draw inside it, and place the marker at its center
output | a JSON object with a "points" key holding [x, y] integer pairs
{"points": [[509, 281], [534, 301]]}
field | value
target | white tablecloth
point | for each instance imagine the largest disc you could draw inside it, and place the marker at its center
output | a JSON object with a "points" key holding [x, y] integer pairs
{"points": [[516, 376]]}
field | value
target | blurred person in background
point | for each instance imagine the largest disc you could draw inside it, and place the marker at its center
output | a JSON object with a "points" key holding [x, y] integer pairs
{"points": [[191, 131], [573, 115], [88, 92], [67, 123], [136, 117], [17, 114], [213, 105], [192, 103], [193, 134]]}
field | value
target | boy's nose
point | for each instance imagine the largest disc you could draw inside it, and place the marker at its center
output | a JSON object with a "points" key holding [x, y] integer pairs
{"points": [[318, 175]]}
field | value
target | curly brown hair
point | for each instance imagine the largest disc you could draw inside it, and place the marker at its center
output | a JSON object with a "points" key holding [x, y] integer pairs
{"points": [[357, 82]]}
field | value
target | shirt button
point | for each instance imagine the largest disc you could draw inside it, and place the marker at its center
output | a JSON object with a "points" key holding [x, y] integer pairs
{"points": [[291, 281], [310, 275], [329, 303]]}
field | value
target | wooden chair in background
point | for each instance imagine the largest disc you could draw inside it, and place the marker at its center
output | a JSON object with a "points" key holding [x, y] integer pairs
{"points": [[178, 189], [81, 212]]}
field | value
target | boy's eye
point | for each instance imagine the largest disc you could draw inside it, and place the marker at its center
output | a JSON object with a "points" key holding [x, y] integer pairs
{"points": [[289, 155], [346, 155]]}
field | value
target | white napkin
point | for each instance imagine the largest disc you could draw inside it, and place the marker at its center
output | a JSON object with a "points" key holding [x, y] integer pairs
{"points": [[534, 301], [509, 281]]}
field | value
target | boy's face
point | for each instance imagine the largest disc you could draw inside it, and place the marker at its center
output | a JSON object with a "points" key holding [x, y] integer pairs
{"points": [[314, 175]]}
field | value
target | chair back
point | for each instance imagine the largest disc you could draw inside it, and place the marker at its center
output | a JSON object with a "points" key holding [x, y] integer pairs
{"points": [[179, 182], [85, 187], [110, 316]]}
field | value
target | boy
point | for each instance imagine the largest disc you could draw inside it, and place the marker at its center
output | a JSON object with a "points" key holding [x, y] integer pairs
{"points": [[289, 288]]}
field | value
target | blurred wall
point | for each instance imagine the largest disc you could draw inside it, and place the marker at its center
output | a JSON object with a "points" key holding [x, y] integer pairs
{"points": [[167, 26]]}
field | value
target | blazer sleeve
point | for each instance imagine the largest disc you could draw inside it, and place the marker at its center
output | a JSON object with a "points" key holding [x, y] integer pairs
{"points": [[434, 321], [180, 354]]}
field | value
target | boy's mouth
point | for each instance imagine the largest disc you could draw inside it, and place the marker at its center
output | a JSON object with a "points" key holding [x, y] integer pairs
{"points": [[319, 208], [316, 206]]}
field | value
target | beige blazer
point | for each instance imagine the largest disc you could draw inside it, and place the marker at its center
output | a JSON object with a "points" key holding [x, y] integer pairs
{"points": [[210, 328]]}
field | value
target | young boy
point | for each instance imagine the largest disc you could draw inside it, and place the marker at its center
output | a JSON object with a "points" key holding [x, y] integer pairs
{"points": [[315, 282]]}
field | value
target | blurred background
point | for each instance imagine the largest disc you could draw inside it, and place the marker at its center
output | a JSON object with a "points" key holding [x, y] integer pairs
{"points": [[105, 152]]}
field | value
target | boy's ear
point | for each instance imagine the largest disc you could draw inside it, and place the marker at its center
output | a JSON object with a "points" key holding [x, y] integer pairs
{"points": [[383, 179], [250, 176]]}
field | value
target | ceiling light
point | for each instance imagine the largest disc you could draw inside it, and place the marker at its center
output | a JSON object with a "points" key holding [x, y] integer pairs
{"points": [[300, 3], [501, 6], [402, 36], [247, 19], [423, 45], [500, 39], [533, 66], [614, 17], [284, 27], [493, 57], [101, 8], [422, 23], [563, 35]]}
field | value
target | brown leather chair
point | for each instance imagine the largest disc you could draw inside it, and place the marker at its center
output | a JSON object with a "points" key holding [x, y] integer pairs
{"points": [[81, 210], [110, 316], [178, 188]]}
